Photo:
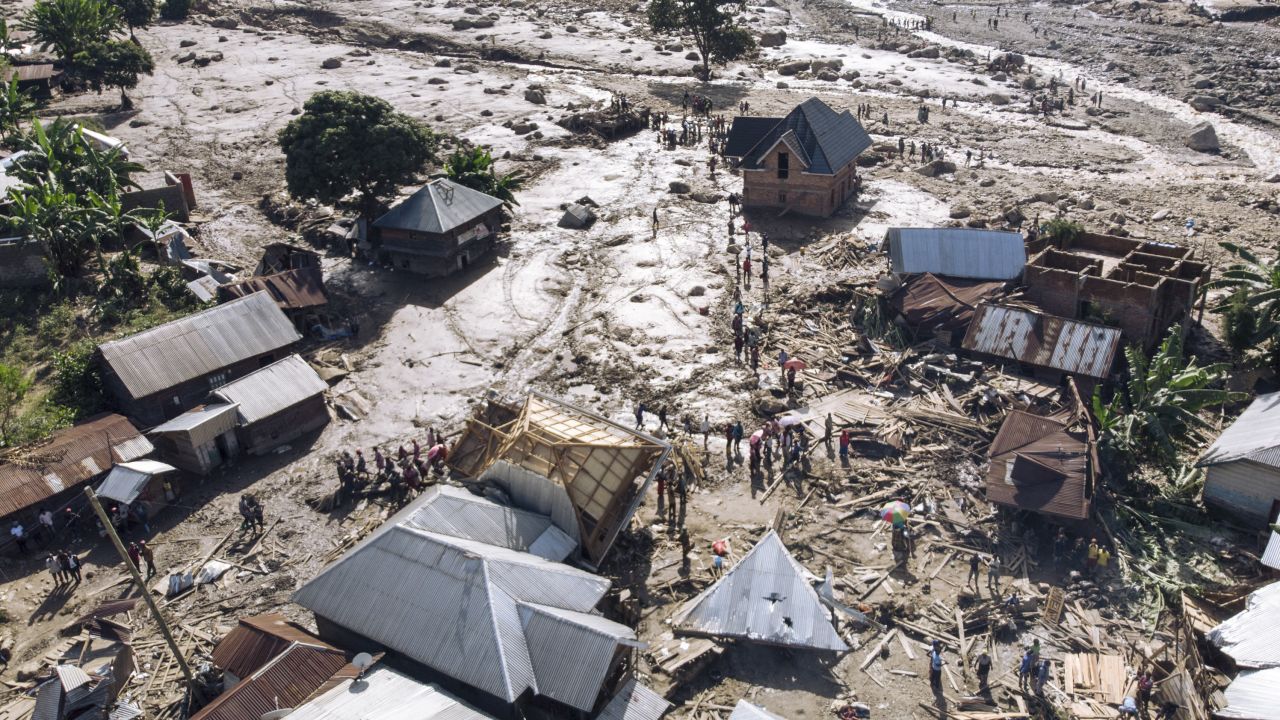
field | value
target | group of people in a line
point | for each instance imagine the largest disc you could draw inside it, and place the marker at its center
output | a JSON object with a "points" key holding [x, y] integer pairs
{"points": [[406, 471], [64, 566]]}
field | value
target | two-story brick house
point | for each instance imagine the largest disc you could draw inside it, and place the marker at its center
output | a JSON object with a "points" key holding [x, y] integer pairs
{"points": [[802, 163]]}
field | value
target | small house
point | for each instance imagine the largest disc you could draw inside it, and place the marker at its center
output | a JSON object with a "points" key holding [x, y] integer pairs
{"points": [[1045, 465], [199, 440], [160, 373], [441, 229], [37, 80], [299, 293], [302, 671], [254, 642], [1242, 467], [140, 481], [279, 257], [53, 474], [276, 404], [803, 163]]}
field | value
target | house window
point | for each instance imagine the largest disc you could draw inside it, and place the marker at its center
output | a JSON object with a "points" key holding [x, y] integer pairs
{"points": [[216, 380], [782, 198], [784, 165]]}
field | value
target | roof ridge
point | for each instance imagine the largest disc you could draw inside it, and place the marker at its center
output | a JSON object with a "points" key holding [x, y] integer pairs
{"points": [[504, 671]]}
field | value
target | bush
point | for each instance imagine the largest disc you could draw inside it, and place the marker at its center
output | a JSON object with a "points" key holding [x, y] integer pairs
{"points": [[54, 324], [175, 9], [170, 290], [77, 382], [1064, 230]]}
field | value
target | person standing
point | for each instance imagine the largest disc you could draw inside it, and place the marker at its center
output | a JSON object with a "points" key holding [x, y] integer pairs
{"points": [[149, 557], [983, 666], [844, 445], [1042, 676], [755, 359], [1104, 559], [639, 416], [1059, 545], [45, 523], [737, 348], [974, 565], [829, 427], [55, 569], [737, 437], [73, 564], [662, 417], [135, 555], [935, 666], [1145, 684], [705, 428], [1024, 670], [993, 576], [19, 535], [1091, 557]]}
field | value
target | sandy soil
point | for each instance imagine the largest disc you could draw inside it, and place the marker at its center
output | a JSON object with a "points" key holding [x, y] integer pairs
{"points": [[610, 315]]}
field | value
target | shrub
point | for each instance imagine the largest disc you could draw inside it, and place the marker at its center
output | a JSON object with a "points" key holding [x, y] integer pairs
{"points": [[77, 381], [175, 9]]}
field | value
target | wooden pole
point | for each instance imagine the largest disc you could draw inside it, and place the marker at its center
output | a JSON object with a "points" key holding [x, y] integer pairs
{"points": [[137, 578]]}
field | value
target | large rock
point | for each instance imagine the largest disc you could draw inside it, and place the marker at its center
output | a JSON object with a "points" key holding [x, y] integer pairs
{"points": [[535, 96], [577, 217], [936, 168], [924, 52], [828, 76], [831, 64], [773, 38], [793, 67], [1204, 103], [331, 63], [1203, 138], [998, 99], [678, 187]]}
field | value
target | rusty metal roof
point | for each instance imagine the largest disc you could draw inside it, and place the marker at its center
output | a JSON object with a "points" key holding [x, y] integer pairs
{"points": [[1043, 465], [71, 458], [292, 289], [298, 673], [1072, 346], [941, 303], [256, 640], [208, 341]]}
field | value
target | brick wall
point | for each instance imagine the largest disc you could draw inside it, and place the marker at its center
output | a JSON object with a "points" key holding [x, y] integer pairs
{"points": [[799, 192]]}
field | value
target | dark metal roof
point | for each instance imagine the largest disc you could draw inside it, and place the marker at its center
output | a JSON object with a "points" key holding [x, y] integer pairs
{"points": [[197, 345], [275, 388], [746, 133], [1041, 464], [293, 676], [440, 206], [931, 302], [256, 640], [830, 140], [292, 289], [71, 458]]}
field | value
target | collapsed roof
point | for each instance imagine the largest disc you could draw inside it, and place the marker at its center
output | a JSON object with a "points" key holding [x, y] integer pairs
{"points": [[1043, 464]]}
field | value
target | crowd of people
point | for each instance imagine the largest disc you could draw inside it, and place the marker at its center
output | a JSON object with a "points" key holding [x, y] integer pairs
{"points": [[399, 475]]}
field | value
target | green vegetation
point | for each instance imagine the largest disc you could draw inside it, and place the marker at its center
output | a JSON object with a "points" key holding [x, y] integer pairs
{"points": [[114, 64], [69, 27], [14, 386], [136, 13], [474, 169], [1252, 311], [15, 109], [1158, 412], [714, 29], [175, 9], [347, 142], [1062, 229]]}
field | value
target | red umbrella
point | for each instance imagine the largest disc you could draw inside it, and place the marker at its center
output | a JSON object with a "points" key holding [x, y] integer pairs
{"points": [[795, 364]]}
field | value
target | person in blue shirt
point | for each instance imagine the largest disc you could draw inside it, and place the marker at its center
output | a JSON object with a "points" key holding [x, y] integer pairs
{"points": [[1024, 669], [935, 666]]}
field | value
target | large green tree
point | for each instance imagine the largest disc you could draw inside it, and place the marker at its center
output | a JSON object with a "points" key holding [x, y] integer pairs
{"points": [[714, 30], [114, 63], [347, 142], [71, 26], [61, 153], [1158, 412], [136, 13], [474, 168]]}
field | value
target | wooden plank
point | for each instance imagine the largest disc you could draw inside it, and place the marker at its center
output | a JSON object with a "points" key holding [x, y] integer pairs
{"points": [[906, 647], [875, 652]]}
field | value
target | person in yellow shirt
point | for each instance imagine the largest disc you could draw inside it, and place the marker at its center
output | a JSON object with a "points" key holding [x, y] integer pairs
{"points": [[1104, 559]]}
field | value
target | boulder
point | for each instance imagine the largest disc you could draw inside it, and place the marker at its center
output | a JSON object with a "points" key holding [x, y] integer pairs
{"points": [[535, 96], [986, 182], [793, 67], [769, 405], [678, 187], [225, 23], [960, 212], [1203, 138], [577, 217], [850, 75], [186, 43], [828, 76], [693, 56], [524, 128], [773, 38], [937, 167], [1273, 178], [1160, 214], [707, 198], [1204, 103], [782, 85], [998, 99], [332, 63], [924, 52], [820, 65]]}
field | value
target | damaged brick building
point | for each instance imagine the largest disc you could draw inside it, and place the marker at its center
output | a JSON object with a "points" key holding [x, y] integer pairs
{"points": [[1141, 287]]}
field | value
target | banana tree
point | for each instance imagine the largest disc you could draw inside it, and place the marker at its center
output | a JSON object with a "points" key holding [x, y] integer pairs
{"points": [[1255, 283], [474, 169]]}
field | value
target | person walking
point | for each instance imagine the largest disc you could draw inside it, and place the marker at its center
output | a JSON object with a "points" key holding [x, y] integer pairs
{"points": [[655, 223], [993, 576], [737, 348], [639, 416], [844, 445], [755, 359], [55, 569], [983, 666], [135, 555], [73, 565], [1042, 676], [45, 523], [19, 535], [935, 666], [1024, 670], [149, 557], [705, 427], [662, 417], [974, 565]]}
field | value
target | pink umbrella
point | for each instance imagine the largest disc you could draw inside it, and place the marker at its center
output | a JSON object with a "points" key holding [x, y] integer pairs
{"points": [[795, 363], [756, 437]]}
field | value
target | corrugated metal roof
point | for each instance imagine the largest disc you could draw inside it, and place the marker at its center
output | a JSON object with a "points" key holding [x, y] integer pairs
{"points": [[766, 598], [1253, 695], [32, 73], [936, 303], [634, 701], [1049, 341], [1271, 558], [572, 652], [126, 480], [957, 252], [1255, 435], [746, 132], [1252, 637], [746, 711], [257, 639], [386, 694], [289, 679], [276, 387], [199, 344], [826, 140], [292, 289], [449, 603], [124, 711], [1040, 464], [196, 418], [72, 457], [439, 207], [458, 513]]}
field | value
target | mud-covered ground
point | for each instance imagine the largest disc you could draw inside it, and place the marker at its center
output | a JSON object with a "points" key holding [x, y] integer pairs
{"points": [[610, 315]]}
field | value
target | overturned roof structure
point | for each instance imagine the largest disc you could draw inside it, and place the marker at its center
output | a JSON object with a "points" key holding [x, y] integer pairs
{"points": [[494, 616], [1251, 638], [385, 694], [930, 302], [255, 641], [301, 671], [296, 289], [603, 467], [1043, 464], [766, 598], [1043, 341], [71, 458], [957, 252]]}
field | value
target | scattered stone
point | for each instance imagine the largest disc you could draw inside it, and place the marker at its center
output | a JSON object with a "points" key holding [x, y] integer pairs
{"points": [[186, 57], [986, 182], [444, 62], [524, 128], [186, 43], [697, 291], [707, 198], [1204, 103], [831, 64], [225, 23], [331, 63], [571, 29], [693, 56], [828, 76], [1203, 138], [486, 113], [960, 212], [773, 38], [1273, 178], [679, 187], [782, 85], [1160, 214], [441, 81], [237, 175], [998, 99], [791, 68], [926, 52], [535, 96]]}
